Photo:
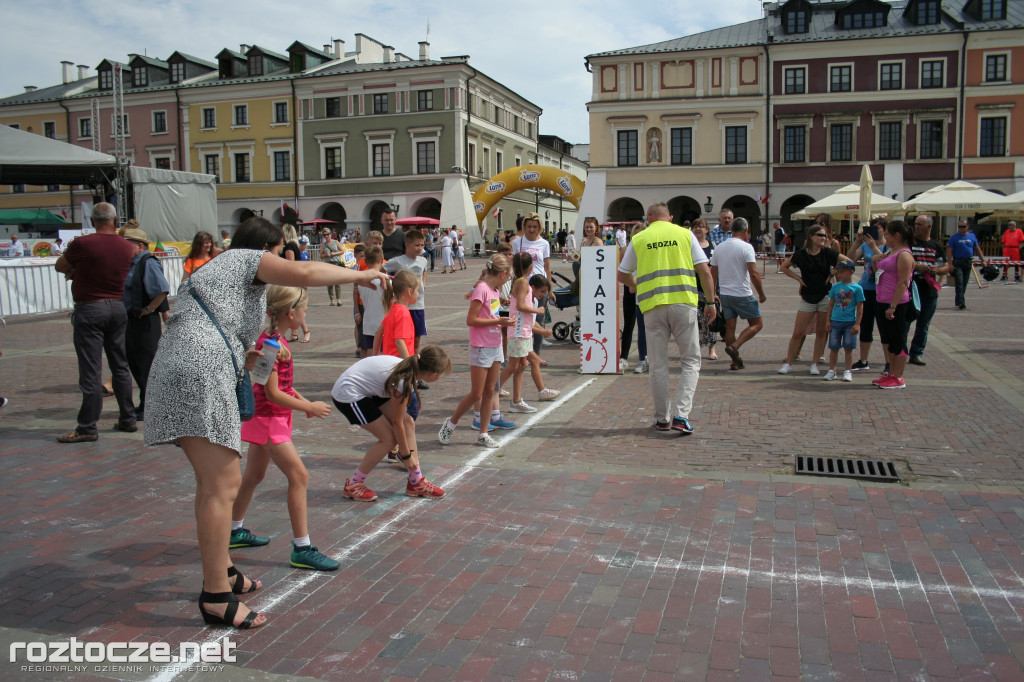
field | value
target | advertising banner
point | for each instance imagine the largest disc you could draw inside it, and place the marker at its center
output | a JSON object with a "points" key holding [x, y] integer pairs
{"points": [[599, 310]]}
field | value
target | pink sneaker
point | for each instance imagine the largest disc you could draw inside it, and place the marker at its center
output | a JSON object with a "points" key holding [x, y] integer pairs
{"points": [[892, 382], [881, 379], [423, 489], [358, 492]]}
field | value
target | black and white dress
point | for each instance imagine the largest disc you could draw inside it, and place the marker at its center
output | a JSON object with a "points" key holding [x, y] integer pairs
{"points": [[191, 390]]}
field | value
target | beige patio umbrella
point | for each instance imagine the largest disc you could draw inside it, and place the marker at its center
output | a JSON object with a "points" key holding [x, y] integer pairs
{"points": [[1003, 215], [866, 182], [844, 204], [959, 198]]}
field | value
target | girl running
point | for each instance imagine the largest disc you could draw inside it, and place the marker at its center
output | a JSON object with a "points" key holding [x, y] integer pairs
{"points": [[484, 349], [269, 434], [374, 394]]}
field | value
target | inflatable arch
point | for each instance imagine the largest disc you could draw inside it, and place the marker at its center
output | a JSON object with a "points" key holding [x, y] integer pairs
{"points": [[526, 177]]}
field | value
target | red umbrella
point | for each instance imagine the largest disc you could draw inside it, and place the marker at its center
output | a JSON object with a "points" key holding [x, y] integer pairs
{"points": [[416, 220]]}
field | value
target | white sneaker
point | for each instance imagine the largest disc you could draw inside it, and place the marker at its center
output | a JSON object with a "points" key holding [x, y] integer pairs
{"points": [[821, 359], [545, 342], [486, 441], [623, 364], [641, 367], [830, 375], [521, 406], [447, 429], [814, 369], [503, 393], [786, 368], [847, 375], [547, 394]]}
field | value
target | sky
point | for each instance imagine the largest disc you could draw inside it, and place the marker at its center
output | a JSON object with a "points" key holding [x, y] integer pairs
{"points": [[535, 48]]}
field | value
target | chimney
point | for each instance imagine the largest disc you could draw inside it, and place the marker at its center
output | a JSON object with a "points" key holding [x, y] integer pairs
{"points": [[30, 88], [327, 48], [424, 51], [83, 71], [389, 54], [243, 48], [339, 48], [65, 68]]}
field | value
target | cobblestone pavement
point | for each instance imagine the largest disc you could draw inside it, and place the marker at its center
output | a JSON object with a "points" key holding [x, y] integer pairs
{"points": [[587, 548]]}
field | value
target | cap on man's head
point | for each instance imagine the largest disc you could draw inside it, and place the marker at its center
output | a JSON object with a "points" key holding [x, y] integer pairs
{"points": [[845, 264]]}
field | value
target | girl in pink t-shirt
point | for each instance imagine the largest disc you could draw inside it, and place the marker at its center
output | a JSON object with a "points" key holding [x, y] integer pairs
{"points": [[269, 435], [485, 354], [523, 310]]}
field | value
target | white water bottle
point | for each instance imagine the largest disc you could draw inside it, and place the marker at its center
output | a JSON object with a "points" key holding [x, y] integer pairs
{"points": [[265, 365]]}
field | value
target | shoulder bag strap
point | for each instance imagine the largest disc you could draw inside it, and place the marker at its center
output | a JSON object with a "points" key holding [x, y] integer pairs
{"points": [[202, 304]]}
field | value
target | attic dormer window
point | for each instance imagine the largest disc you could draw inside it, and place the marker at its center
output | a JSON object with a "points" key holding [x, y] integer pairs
{"points": [[926, 12], [992, 10], [796, 21], [298, 62], [177, 72], [106, 79], [140, 78], [227, 69], [256, 65], [863, 20]]}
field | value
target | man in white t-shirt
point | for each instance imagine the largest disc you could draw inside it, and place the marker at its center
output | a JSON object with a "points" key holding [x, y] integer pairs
{"points": [[532, 243], [620, 236], [734, 267], [17, 249]]}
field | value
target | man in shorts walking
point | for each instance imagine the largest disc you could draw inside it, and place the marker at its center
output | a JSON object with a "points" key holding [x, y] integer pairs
{"points": [[734, 267]]}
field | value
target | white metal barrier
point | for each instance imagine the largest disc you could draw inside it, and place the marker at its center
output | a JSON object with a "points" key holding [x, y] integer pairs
{"points": [[30, 286]]}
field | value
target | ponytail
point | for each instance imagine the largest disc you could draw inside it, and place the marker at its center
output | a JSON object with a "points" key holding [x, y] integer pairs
{"points": [[407, 372]]}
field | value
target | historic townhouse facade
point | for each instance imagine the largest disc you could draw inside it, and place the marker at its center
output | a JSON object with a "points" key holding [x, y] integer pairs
{"points": [[923, 91], [328, 133]]}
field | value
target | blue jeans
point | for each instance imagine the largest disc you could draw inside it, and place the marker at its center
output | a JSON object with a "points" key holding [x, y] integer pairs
{"points": [[962, 274], [924, 320], [99, 327]]}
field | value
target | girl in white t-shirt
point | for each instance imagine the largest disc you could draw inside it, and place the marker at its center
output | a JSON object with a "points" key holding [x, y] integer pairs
{"points": [[373, 394], [446, 255], [462, 256]]}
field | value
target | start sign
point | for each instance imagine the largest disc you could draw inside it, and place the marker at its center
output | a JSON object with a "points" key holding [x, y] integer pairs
{"points": [[599, 310]]}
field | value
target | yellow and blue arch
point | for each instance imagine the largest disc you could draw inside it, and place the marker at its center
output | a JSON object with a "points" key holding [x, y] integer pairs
{"points": [[526, 177]]}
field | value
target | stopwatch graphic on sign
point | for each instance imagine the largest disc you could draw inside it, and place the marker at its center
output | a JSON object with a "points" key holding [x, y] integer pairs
{"points": [[594, 350]]}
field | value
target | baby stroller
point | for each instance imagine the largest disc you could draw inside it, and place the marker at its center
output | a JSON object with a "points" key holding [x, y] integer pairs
{"points": [[567, 296]]}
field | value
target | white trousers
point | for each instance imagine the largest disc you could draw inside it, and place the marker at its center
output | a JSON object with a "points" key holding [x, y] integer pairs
{"points": [[679, 322]]}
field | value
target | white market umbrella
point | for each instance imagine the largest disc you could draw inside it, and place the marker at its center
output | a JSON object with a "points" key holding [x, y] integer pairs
{"points": [[1003, 215], [958, 198], [844, 204]]}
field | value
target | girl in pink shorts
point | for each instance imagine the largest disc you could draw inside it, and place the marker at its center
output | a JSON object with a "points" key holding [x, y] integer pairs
{"points": [[269, 434]]}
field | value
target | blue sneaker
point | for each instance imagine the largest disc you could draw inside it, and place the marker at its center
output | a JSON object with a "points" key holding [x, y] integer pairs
{"points": [[243, 538], [476, 425], [682, 425], [502, 424], [309, 557]]}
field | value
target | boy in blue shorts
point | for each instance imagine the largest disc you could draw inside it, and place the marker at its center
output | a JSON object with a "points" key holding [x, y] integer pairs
{"points": [[845, 308]]}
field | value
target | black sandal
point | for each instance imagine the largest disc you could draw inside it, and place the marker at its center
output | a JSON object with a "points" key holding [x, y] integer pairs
{"points": [[229, 613], [238, 586]]}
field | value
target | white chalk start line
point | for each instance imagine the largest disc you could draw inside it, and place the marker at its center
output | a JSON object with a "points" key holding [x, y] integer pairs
{"points": [[396, 514]]}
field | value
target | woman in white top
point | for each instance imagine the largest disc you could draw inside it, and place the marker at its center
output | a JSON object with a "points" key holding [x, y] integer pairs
{"points": [[446, 255]]}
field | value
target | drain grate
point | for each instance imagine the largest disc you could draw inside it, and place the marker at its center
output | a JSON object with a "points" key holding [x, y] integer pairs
{"points": [[871, 469]]}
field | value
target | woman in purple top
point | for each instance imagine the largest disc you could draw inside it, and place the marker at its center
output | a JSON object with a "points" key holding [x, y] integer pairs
{"points": [[893, 299]]}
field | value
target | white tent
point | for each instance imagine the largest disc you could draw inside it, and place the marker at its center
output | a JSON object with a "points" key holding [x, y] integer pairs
{"points": [[30, 159], [959, 198], [844, 204]]}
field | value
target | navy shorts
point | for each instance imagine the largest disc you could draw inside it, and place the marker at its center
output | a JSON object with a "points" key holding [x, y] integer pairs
{"points": [[841, 336], [365, 411], [366, 341], [419, 321]]}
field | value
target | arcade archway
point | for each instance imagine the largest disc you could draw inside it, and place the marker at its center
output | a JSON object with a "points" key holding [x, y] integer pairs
{"points": [[683, 209], [625, 208], [745, 207]]}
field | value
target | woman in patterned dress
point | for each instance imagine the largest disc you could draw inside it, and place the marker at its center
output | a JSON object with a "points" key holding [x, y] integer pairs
{"points": [[191, 395]]}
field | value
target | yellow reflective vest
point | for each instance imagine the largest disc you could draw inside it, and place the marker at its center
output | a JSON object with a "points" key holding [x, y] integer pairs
{"points": [[664, 266]]}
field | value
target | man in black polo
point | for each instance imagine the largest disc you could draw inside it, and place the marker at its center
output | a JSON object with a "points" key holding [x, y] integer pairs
{"points": [[929, 265], [394, 238]]}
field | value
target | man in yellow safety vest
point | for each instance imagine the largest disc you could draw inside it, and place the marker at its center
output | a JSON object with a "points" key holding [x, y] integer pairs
{"points": [[667, 260]]}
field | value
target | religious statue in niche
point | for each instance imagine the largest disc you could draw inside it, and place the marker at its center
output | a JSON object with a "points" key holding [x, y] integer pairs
{"points": [[653, 146]]}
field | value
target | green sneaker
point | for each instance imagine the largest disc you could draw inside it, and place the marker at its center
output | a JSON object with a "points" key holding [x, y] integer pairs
{"points": [[243, 538], [309, 557]]}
